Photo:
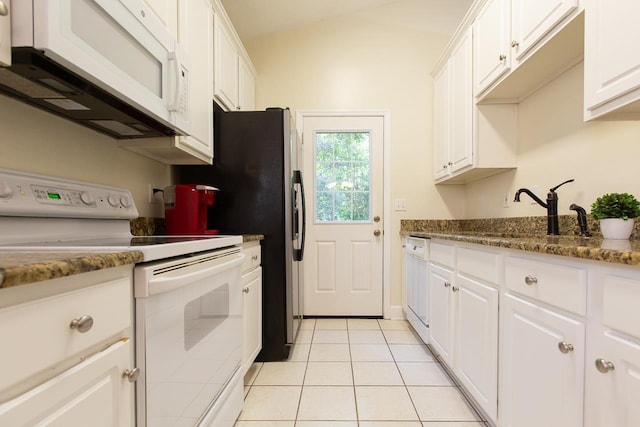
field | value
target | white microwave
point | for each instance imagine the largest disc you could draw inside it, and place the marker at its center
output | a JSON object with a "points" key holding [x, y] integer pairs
{"points": [[107, 64]]}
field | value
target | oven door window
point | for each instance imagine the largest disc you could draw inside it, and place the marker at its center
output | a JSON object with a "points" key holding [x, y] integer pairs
{"points": [[204, 314]]}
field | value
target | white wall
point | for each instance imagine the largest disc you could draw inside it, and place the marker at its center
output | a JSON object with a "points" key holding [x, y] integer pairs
{"points": [[36, 141], [555, 144], [357, 64]]}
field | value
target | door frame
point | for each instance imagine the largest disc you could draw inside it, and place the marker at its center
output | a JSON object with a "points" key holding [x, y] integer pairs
{"points": [[386, 194]]}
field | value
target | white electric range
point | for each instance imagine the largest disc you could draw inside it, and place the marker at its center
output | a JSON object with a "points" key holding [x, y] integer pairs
{"points": [[190, 370]]}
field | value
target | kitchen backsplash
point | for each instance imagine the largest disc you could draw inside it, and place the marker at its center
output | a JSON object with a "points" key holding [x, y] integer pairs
{"points": [[516, 225]]}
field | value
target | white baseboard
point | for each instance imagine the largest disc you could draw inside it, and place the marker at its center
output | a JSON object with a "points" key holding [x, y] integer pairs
{"points": [[397, 313]]}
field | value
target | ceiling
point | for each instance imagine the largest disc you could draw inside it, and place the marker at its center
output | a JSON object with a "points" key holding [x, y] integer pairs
{"points": [[258, 18]]}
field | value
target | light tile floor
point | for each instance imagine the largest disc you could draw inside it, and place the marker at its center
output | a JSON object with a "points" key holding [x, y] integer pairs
{"points": [[354, 373]]}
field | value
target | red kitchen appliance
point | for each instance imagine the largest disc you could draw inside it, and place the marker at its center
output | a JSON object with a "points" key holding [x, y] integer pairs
{"points": [[186, 207]]}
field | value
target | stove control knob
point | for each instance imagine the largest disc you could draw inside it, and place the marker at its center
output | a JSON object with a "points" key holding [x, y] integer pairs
{"points": [[113, 200], [126, 202], [5, 191], [87, 198]]}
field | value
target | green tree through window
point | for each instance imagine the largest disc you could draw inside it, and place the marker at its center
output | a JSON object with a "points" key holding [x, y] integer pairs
{"points": [[342, 176]]}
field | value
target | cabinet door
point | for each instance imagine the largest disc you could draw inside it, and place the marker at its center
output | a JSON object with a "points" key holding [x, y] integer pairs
{"points": [[531, 20], [611, 54], [461, 106], [5, 36], [196, 36], [491, 43], [612, 396], [226, 66], [441, 123], [167, 13], [539, 384], [252, 305], [441, 312], [93, 393], [477, 342], [246, 87]]}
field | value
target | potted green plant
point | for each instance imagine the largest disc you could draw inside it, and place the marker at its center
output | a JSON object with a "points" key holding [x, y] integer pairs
{"points": [[616, 212]]}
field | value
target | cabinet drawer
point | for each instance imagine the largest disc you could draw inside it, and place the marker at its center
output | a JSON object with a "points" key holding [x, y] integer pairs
{"points": [[620, 309], [559, 285], [443, 254], [478, 263], [41, 337], [252, 257]]}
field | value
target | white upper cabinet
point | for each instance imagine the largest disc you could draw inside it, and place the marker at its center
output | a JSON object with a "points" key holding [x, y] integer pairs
{"points": [[520, 45], [5, 35], [167, 13], [531, 20], [612, 59], [226, 65], [492, 33], [234, 79], [246, 86], [195, 35], [467, 145]]}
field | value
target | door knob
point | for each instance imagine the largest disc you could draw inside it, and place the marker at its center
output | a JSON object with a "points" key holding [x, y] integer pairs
{"points": [[376, 218], [376, 233]]}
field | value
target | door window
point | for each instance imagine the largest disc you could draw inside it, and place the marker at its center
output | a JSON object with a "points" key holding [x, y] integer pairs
{"points": [[342, 172]]}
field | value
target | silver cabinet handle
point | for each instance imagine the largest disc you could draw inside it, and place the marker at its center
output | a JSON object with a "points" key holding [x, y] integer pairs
{"points": [[131, 374], [82, 324], [447, 284], [502, 57], [531, 280], [455, 289], [514, 43], [245, 290], [376, 233], [604, 366], [4, 10], [565, 347]]}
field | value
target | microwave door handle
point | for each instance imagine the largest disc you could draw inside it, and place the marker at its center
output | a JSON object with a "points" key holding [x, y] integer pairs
{"points": [[174, 105]]}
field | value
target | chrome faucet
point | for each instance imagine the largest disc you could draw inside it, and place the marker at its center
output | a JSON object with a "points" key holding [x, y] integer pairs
{"points": [[551, 206]]}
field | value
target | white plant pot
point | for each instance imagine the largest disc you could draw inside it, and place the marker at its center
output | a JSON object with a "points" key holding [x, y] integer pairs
{"points": [[616, 228]]}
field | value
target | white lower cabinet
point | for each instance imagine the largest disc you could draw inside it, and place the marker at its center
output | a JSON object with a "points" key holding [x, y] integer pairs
{"points": [[476, 345], [92, 393], [463, 319], [541, 366], [612, 371], [441, 312], [70, 362], [252, 304]]}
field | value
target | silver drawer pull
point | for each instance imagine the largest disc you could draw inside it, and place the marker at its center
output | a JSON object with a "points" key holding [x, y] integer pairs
{"points": [[604, 366], [531, 280], [565, 347], [131, 374], [245, 290], [82, 324]]}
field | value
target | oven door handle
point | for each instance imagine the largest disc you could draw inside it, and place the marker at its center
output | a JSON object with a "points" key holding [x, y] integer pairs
{"points": [[170, 281]]}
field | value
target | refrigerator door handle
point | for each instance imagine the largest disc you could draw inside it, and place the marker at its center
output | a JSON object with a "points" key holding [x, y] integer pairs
{"points": [[298, 254]]}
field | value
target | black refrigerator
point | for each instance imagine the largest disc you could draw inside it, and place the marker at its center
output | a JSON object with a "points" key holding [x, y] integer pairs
{"points": [[256, 169]]}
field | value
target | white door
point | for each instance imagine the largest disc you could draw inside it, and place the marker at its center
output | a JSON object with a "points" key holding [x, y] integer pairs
{"points": [[343, 164]]}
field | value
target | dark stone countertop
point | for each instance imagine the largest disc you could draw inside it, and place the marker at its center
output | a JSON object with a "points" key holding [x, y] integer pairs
{"points": [[21, 268]]}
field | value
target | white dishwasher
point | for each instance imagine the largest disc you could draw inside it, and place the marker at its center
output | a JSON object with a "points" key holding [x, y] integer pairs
{"points": [[416, 256]]}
